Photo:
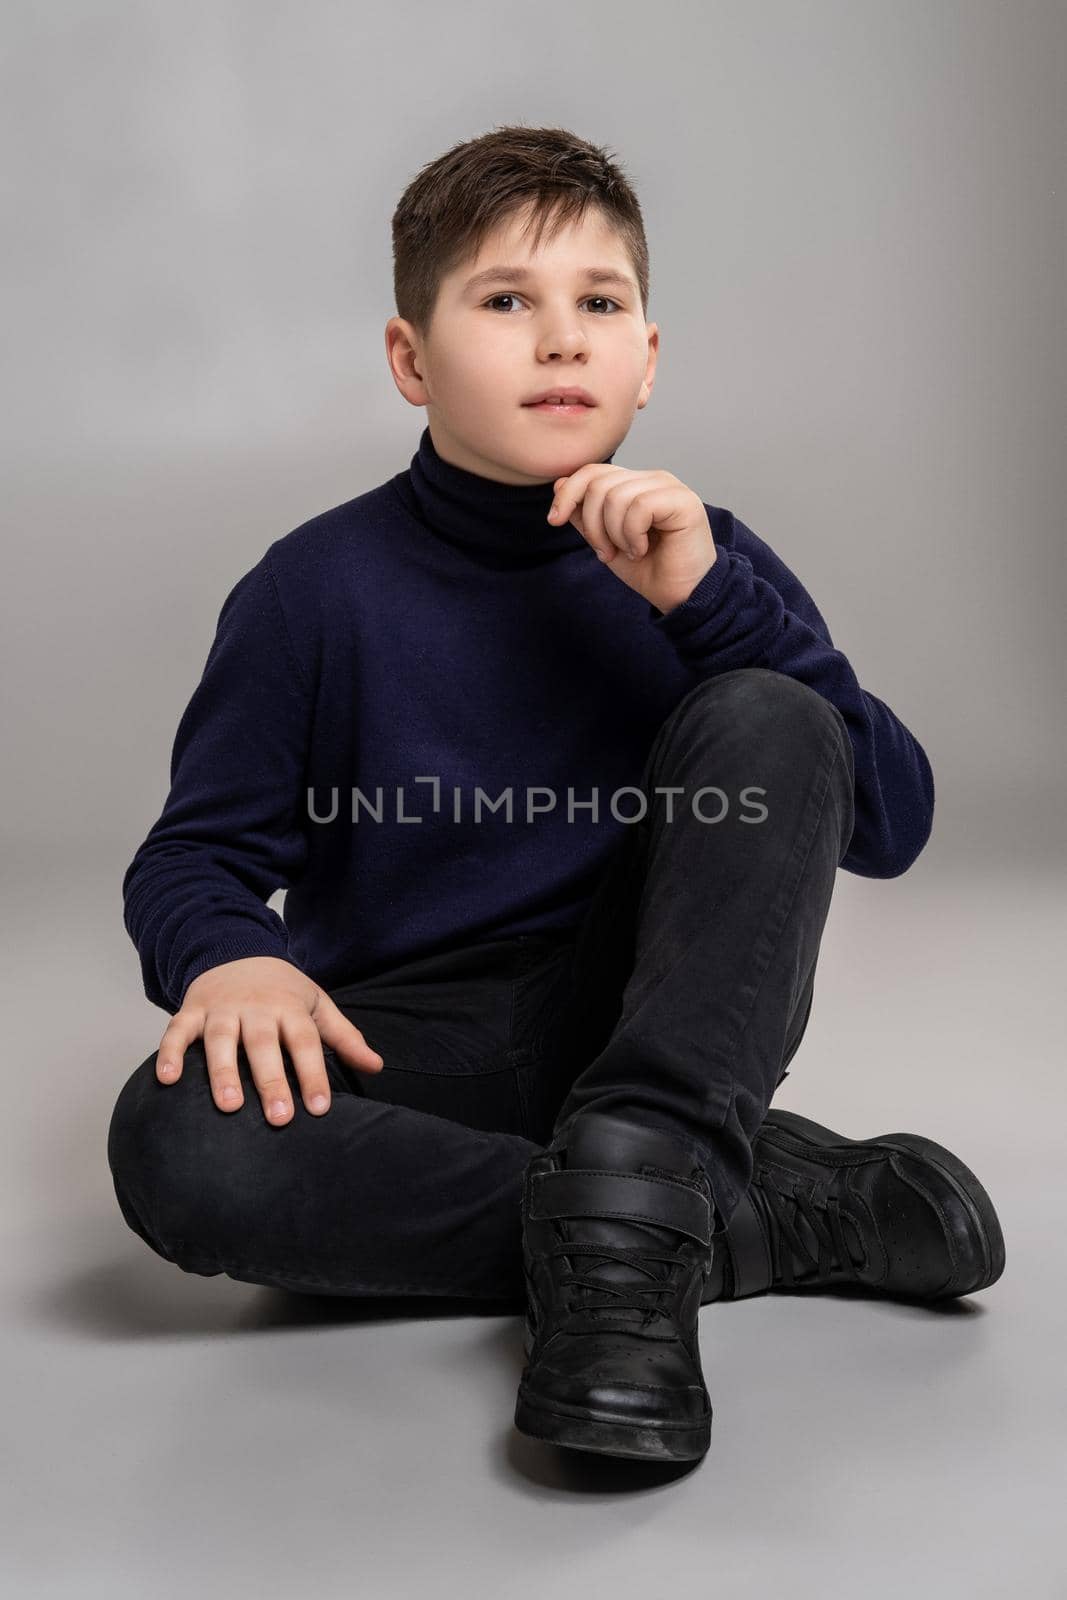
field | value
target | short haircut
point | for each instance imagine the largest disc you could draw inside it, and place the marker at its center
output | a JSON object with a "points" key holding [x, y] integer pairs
{"points": [[456, 200]]}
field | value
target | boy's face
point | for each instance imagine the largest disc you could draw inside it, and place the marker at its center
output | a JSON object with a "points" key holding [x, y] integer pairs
{"points": [[494, 344]]}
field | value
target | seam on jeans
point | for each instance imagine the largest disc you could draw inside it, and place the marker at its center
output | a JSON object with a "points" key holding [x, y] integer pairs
{"points": [[730, 1052], [803, 1030], [725, 1194], [522, 1096], [512, 1000]]}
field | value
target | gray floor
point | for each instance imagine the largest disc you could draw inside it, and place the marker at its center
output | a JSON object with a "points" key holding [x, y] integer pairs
{"points": [[164, 1431]]}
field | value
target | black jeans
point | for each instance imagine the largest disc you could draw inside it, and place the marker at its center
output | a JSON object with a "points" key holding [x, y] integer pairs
{"points": [[679, 1002]]}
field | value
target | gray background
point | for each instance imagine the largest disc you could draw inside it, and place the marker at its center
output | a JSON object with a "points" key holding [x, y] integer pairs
{"points": [[856, 220]]}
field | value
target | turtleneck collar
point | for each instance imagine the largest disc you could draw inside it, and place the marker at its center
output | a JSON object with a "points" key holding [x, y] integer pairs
{"points": [[504, 524]]}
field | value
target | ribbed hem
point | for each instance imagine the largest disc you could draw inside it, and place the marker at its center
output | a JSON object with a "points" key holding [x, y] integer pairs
{"points": [[680, 618], [255, 943]]}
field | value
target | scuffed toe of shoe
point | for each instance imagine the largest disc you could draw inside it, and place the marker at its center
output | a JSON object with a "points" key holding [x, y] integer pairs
{"points": [[624, 1380], [643, 1405]]}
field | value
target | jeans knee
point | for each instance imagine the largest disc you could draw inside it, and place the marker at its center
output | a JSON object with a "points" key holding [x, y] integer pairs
{"points": [[754, 727], [159, 1150], [126, 1128], [758, 690], [128, 1156], [762, 701]]}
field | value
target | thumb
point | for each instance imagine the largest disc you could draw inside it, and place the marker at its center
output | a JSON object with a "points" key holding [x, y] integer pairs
{"points": [[343, 1036]]}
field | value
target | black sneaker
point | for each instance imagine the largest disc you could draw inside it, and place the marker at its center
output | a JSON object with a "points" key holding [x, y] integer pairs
{"points": [[897, 1215], [616, 1225]]}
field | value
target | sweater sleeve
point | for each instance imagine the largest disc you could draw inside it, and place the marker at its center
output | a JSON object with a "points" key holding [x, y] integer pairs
{"points": [[230, 834], [750, 610]]}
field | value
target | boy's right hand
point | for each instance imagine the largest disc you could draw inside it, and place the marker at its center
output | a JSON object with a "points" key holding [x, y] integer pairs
{"points": [[263, 1002]]}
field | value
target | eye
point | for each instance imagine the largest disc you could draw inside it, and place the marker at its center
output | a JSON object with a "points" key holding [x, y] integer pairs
{"points": [[601, 297]]}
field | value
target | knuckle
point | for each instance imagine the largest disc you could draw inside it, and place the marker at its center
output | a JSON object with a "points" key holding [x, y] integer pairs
{"points": [[273, 1086], [259, 1032], [307, 1055], [304, 1034], [220, 1028]]}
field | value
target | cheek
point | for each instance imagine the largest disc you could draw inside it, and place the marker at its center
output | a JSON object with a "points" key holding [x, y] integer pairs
{"points": [[479, 365]]}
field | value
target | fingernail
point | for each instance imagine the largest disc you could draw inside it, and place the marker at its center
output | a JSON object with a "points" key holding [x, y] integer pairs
{"points": [[278, 1108], [230, 1094], [318, 1102], [167, 1070]]}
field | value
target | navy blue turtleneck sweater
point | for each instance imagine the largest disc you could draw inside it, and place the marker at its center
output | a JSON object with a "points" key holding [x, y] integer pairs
{"points": [[387, 671]]}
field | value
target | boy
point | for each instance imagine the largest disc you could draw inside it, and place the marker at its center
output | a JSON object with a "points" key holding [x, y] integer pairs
{"points": [[528, 1055]]}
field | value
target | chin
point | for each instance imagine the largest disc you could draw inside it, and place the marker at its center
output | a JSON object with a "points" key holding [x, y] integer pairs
{"points": [[553, 458], [540, 465], [542, 460]]}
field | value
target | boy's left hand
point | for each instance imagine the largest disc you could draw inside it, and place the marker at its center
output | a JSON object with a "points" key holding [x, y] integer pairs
{"points": [[654, 514]]}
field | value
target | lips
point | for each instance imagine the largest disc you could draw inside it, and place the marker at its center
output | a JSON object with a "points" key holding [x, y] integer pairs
{"points": [[561, 410], [568, 395]]}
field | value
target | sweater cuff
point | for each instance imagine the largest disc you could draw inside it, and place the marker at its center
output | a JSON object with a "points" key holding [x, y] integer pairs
{"points": [[257, 942], [698, 606]]}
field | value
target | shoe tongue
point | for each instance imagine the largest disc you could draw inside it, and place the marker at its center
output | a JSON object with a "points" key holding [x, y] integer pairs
{"points": [[625, 1148]]}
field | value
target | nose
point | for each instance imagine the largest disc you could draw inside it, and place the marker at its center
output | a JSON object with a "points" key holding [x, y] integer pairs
{"points": [[556, 345]]}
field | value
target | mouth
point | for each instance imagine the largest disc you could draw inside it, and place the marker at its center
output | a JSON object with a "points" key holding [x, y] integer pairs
{"points": [[566, 401], [555, 408]]}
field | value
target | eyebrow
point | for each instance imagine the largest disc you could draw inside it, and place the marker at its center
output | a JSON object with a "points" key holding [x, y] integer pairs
{"points": [[523, 274]]}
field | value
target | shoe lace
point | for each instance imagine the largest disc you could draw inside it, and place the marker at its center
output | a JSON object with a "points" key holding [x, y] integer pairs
{"points": [[595, 1293], [782, 1206]]}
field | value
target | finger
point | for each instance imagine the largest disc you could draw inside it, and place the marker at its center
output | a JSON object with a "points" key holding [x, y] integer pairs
{"points": [[627, 517], [304, 1044], [259, 1035], [570, 492], [583, 519], [179, 1033], [221, 1033], [604, 551], [593, 527], [567, 493], [344, 1037]]}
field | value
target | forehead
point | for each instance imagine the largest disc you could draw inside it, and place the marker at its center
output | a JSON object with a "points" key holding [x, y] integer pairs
{"points": [[589, 242]]}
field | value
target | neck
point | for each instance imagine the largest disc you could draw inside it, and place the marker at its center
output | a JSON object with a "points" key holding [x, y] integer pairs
{"points": [[505, 524]]}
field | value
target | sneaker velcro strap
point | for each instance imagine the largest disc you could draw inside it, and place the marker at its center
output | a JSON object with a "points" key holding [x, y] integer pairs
{"points": [[630, 1196]]}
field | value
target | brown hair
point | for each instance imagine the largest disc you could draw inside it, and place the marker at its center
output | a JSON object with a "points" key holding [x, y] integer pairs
{"points": [[454, 201]]}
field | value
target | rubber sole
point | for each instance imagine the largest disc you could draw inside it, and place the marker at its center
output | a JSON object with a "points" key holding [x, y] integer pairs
{"points": [[960, 1179], [580, 1429]]}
